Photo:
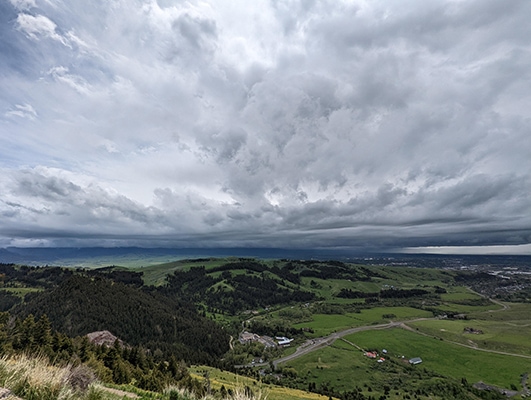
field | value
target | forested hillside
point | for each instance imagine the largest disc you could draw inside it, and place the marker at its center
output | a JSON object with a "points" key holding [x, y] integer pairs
{"points": [[83, 304], [227, 290]]}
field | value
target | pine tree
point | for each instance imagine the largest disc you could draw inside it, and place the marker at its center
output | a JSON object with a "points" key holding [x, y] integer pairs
{"points": [[43, 333], [27, 333], [84, 349]]}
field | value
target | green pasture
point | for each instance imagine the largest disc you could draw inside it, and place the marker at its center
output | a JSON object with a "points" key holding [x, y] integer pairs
{"points": [[459, 295], [329, 288], [496, 335], [345, 367], [401, 277], [517, 313], [448, 307], [325, 324], [411, 277], [341, 301], [446, 358], [375, 315], [156, 274]]}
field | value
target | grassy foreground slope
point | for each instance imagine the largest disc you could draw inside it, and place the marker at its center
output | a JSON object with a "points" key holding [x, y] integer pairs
{"points": [[34, 378], [218, 378]]}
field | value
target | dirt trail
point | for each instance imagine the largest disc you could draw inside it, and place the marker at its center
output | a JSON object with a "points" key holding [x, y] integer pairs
{"points": [[504, 307], [352, 344]]}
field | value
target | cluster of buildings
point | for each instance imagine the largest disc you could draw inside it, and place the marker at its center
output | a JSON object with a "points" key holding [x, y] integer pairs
{"points": [[374, 355], [267, 341]]}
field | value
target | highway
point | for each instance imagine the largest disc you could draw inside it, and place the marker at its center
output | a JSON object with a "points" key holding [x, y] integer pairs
{"points": [[318, 343]]}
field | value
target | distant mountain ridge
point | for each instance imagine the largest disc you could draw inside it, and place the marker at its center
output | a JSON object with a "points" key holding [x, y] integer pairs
{"points": [[68, 256], [104, 256]]}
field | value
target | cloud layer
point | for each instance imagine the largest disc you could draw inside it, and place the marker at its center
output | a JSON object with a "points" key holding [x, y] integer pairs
{"points": [[266, 123]]}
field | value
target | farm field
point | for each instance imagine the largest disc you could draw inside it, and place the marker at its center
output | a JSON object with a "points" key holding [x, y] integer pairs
{"points": [[504, 336], [518, 314], [459, 294], [325, 324], [446, 358], [344, 366]]}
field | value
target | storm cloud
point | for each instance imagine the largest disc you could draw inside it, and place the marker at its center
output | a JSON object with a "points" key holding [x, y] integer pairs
{"points": [[268, 123]]}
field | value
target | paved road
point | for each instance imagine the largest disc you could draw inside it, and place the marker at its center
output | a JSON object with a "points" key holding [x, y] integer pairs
{"points": [[318, 343], [314, 344]]}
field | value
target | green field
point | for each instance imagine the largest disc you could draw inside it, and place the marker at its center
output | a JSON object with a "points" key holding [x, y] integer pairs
{"points": [[460, 295], [403, 277], [156, 274], [516, 313], [329, 288], [504, 330], [345, 367], [325, 324], [447, 359]]}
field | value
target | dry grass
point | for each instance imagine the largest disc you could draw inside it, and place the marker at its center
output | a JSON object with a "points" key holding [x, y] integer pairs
{"points": [[34, 378], [242, 394], [175, 393]]}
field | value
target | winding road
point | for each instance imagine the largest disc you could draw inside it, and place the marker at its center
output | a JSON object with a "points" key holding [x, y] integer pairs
{"points": [[314, 344], [318, 343]]}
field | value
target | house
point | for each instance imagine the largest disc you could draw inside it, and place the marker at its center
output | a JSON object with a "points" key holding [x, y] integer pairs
{"points": [[371, 354], [415, 360], [248, 337]]}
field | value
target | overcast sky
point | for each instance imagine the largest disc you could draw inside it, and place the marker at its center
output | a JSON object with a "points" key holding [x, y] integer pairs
{"points": [[275, 123]]}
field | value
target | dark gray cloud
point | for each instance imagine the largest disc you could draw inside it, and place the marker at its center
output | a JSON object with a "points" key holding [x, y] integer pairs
{"points": [[276, 123]]}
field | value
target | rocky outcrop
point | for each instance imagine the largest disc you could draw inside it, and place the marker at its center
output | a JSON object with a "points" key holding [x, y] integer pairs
{"points": [[103, 338]]}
